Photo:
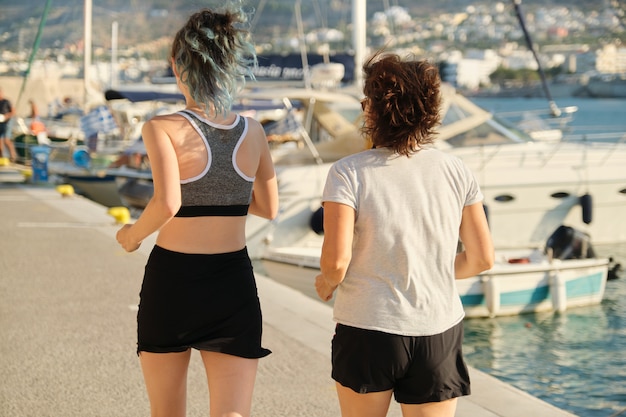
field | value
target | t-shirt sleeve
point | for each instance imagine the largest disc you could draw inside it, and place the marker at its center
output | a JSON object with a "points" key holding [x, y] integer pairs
{"points": [[339, 186], [474, 194]]}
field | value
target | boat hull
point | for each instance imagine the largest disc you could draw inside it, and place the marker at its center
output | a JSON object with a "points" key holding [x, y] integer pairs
{"points": [[135, 192], [531, 189], [523, 206], [101, 189], [608, 85], [551, 287]]}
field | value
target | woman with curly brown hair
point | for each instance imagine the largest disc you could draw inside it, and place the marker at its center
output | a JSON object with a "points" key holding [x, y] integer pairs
{"points": [[393, 216], [211, 167]]}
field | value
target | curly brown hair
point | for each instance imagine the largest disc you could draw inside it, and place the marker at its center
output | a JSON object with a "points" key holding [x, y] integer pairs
{"points": [[403, 102]]}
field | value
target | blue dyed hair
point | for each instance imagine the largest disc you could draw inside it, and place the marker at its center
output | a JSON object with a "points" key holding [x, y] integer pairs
{"points": [[213, 54]]}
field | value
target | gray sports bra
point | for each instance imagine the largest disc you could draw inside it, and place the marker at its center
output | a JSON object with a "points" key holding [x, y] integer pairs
{"points": [[221, 189]]}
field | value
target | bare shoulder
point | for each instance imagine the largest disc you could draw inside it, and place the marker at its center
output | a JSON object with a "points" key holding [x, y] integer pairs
{"points": [[253, 123], [164, 122], [167, 118], [255, 129]]}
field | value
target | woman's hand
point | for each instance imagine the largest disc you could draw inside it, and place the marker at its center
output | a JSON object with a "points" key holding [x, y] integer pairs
{"points": [[324, 290], [125, 239]]}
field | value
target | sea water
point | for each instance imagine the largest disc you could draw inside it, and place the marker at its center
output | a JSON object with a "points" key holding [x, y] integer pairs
{"points": [[594, 115], [575, 360]]}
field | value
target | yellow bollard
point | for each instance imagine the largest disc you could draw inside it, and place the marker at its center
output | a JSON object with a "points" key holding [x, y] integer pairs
{"points": [[65, 190], [120, 214], [27, 174]]}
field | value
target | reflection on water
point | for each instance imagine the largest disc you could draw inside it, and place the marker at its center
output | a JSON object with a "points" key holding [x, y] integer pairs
{"points": [[575, 360]]}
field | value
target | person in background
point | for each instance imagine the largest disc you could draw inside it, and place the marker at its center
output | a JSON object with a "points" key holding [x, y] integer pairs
{"points": [[37, 127], [34, 110], [393, 217], [211, 168], [134, 157], [6, 112]]}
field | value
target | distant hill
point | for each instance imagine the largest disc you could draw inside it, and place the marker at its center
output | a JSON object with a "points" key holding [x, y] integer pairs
{"points": [[143, 21]]}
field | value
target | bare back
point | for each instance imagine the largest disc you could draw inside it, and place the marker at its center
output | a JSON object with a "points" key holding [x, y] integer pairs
{"points": [[207, 234]]}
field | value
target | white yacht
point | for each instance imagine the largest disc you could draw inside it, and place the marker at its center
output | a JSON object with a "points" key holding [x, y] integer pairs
{"points": [[530, 187]]}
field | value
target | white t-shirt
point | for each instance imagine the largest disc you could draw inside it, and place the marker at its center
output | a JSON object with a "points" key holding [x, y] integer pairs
{"points": [[408, 212]]}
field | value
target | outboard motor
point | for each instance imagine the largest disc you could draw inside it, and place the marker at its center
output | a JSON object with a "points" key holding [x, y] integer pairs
{"points": [[569, 243]]}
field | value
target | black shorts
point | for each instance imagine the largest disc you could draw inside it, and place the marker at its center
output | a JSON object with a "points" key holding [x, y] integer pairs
{"points": [[3, 130], [206, 302], [419, 369]]}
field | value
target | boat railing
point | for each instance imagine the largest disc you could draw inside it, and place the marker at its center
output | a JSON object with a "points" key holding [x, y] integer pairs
{"points": [[592, 150], [611, 137], [612, 140]]}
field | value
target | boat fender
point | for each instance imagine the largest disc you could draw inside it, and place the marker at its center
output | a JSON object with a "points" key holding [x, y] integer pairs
{"points": [[317, 221], [491, 289], [558, 292], [81, 158], [586, 203]]}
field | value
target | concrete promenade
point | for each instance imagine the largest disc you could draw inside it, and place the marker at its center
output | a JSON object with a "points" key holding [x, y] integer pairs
{"points": [[67, 316]]}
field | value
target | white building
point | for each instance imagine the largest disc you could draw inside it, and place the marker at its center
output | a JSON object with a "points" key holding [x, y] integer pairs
{"points": [[611, 59], [472, 70], [520, 59]]}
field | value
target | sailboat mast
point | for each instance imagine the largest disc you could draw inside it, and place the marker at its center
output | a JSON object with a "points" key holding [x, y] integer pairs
{"points": [[114, 37], [556, 112], [359, 17], [42, 23], [87, 50], [306, 74]]}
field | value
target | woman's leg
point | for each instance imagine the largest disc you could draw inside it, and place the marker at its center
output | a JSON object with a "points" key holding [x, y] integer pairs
{"points": [[372, 404], [231, 382], [165, 375], [438, 409]]}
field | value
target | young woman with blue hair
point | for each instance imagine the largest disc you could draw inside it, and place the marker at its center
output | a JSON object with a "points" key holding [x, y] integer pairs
{"points": [[211, 168]]}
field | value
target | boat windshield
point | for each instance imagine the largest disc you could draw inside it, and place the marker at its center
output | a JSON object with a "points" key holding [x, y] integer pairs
{"points": [[456, 113], [335, 119], [487, 133], [479, 132], [352, 112]]}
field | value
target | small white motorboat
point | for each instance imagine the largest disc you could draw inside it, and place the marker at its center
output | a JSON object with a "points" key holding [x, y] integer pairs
{"points": [[564, 275]]}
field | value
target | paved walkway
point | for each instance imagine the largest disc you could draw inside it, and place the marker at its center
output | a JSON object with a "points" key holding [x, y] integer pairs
{"points": [[69, 300]]}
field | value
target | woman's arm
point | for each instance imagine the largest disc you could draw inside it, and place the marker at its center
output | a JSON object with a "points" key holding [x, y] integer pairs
{"points": [[478, 255], [265, 190], [166, 199], [336, 249]]}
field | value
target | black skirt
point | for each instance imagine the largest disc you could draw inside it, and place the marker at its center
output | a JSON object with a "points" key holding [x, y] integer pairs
{"points": [[206, 302]]}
